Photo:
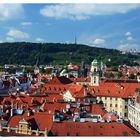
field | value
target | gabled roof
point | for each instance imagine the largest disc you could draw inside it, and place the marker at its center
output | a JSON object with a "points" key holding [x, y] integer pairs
{"points": [[77, 91], [112, 89], [92, 129], [60, 80], [41, 119], [98, 109], [52, 88], [54, 106]]}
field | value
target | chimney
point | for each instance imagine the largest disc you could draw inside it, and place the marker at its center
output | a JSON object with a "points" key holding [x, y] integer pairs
{"points": [[29, 113], [85, 91], [138, 78], [11, 113]]}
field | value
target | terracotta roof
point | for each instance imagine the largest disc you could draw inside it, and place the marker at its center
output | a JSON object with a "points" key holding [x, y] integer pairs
{"points": [[120, 90], [60, 80], [110, 116], [52, 88], [72, 67], [40, 120], [97, 109], [80, 79], [92, 129], [54, 106], [76, 91]]}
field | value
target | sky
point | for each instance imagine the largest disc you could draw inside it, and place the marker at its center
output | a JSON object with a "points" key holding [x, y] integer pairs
{"points": [[101, 25]]}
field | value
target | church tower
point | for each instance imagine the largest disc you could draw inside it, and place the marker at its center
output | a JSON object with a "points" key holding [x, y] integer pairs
{"points": [[36, 69], [94, 73]]}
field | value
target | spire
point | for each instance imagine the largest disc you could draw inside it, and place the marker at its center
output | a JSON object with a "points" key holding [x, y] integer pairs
{"points": [[94, 73], [75, 40], [36, 70], [37, 62]]}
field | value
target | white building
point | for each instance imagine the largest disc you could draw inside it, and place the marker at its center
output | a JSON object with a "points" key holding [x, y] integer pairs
{"points": [[94, 73], [134, 112]]}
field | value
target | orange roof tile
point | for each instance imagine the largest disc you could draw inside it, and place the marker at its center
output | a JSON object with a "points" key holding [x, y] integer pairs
{"points": [[120, 90], [43, 120], [97, 109], [92, 129]]}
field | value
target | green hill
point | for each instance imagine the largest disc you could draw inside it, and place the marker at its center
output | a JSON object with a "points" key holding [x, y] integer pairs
{"points": [[56, 53]]}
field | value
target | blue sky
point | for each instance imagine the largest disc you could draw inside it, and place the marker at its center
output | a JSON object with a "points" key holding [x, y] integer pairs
{"points": [[101, 25]]}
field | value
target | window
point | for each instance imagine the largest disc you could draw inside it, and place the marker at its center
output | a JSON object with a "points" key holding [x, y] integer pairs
{"points": [[110, 105], [110, 98], [116, 105], [125, 114], [76, 134], [105, 98], [101, 126], [116, 99], [68, 134], [125, 107]]}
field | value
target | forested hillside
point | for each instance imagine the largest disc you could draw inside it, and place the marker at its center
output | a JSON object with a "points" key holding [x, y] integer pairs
{"points": [[56, 53]]}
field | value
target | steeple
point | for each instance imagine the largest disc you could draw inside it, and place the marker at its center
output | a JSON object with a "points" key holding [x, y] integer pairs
{"points": [[75, 41], [36, 69], [94, 73]]}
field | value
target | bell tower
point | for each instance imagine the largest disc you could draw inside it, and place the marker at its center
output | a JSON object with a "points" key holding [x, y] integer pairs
{"points": [[94, 73]]}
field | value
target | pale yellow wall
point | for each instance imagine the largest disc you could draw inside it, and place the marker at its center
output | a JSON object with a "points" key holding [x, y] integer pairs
{"points": [[120, 108]]}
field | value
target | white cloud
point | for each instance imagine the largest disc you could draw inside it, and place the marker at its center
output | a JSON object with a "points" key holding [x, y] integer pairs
{"points": [[26, 23], [14, 33], [10, 39], [99, 41], [128, 46], [92, 40], [84, 11], [11, 11], [128, 33], [39, 40], [1, 41], [129, 38]]}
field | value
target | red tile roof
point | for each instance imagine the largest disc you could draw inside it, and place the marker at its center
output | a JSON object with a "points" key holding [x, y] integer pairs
{"points": [[53, 106], [120, 90], [112, 117], [43, 120], [80, 79], [92, 129], [97, 109], [60, 80], [77, 91], [52, 88]]}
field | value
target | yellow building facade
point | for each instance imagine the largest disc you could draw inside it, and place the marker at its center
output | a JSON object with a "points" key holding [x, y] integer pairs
{"points": [[115, 104]]}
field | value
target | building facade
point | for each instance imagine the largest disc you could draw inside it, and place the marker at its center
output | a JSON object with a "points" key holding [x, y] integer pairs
{"points": [[134, 112]]}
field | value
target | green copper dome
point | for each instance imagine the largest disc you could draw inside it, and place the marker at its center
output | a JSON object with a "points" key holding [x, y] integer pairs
{"points": [[94, 62]]}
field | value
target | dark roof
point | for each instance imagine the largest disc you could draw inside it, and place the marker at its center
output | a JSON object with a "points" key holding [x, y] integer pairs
{"points": [[60, 80]]}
